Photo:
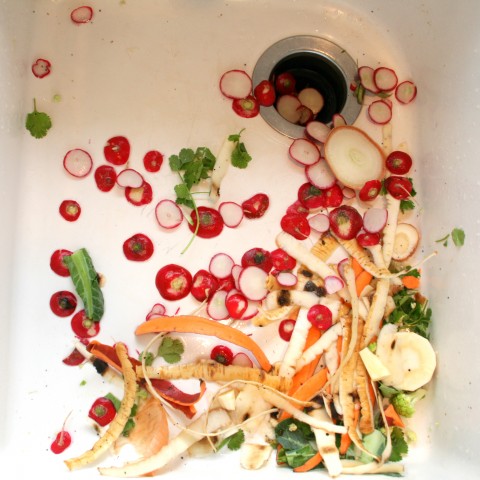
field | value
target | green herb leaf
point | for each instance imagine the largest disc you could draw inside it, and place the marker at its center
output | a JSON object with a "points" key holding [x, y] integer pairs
{"points": [[149, 357], [240, 157], [296, 458], [38, 123], [85, 279], [293, 434], [406, 205], [458, 237], [234, 441], [171, 349], [116, 402], [399, 445]]}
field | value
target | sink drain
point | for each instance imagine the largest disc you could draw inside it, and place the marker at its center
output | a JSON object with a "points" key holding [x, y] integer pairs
{"points": [[314, 62]]}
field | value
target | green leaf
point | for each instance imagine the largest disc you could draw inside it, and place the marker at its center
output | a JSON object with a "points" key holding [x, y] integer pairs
{"points": [[293, 434], [406, 205], [399, 445], [296, 458], [234, 441], [458, 237], [149, 357], [85, 279], [240, 157], [175, 163], [171, 349], [116, 402], [38, 123]]}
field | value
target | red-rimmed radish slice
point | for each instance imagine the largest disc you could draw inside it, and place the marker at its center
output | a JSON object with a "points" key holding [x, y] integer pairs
{"points": [[319, 222], [253, 283], [246, 107], [354, 157], [366, 75], [242, 360], [375, 219], [41, 68], [70, 210], [236, 304], [385, 79], [232, 213], [256, 206], [221, 265], [311, 98], [341, 266], [320, 174], [288, 106], [348, 193], [319, 131], [406, 92], [380, 112], [216, 308], [306, 115], [338, 120], [236, 271], [81, 14], [333, 284], [286, 279], [285, 329], [406, 241], [251, 311], [370, 190], [345, 222], [236, 84], [366, 239], [152, 161], [139, 196], [129, 178], [168, 214], [78, 162], [158, 310], [304, 151]]}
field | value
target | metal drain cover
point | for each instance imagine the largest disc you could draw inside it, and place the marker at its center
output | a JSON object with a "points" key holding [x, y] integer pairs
{"points": [[314, 61]]}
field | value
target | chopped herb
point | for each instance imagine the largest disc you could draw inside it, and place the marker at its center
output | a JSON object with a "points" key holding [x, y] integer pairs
{"points": [[406, 205], [116, 402], [240, 157], [83, 383], [233, 442], [399, 445], [130, 422], [171, 349], [458, 238], [38, 123], [149, 357]]}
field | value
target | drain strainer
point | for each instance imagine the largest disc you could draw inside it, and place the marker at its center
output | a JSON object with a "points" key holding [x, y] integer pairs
{"points": [[314, 62]]}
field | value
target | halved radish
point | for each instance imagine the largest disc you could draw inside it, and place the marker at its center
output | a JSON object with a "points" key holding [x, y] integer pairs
{"points": [[78, 162], [221, 265], [318, 131], [333, 284], [385, 79], [375, 219], [320, 174], [380, 112], [354, 157], [232, 213], [288, 107], [242, 360], [236, 304], [406, 241], [130, 178], [81, 14], [236, 84], [306, 115], [253, 283], [311, 98], [338, 120], [286, 279], [366, 75], [168, 214], [304, 151], [366, 239], [216, 308], [406, 92], [319, 222]]}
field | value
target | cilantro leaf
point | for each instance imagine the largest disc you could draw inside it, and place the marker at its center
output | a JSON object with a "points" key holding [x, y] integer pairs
{"points": [[293, 434], [234, 441], [171, 349], [399, 445], [406, 205], [240, 157], [458, 237], [38, 123]]}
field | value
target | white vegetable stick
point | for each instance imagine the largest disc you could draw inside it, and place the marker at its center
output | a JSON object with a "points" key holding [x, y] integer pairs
{"points": [[221, 167], [358, 468], [254, 456], [295, 345], [376, 312], [326, 445], [393, 209], [217, 419]]}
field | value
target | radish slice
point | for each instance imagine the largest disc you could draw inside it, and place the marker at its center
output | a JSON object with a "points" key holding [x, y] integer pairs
{"points": [[406, 92], [78, 163], [81, 15], [221, 265], [253, 283], [375, 219], [341, 266], [130, 178], [312, 99], [304, 151], [251, 311], [320, 223], [348, 193], [320, 174], [216, 308], [288, 106], [158, 310], [306, 115], [385, 79], [41, 68], [366, 75], [236, 304], [338, 120], [333, 284], [168, 214], [232, 213], [236, 84], [406, 241], [354, 157], [236, 271], [318, 131], [242, 360], [286, 279], [380, 112]]}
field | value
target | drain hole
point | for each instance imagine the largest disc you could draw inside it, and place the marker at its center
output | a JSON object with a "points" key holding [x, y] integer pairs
{"points": [[316, 71], [314, 62]]}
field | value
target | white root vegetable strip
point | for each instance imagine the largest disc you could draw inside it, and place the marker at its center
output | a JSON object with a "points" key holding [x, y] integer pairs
{"points": [[366, 423], [376, 311], [221, 167], [254, 456], [115, 428], [358, 468], [216, 372], [296, 345], [393, 209], [216, 420]]}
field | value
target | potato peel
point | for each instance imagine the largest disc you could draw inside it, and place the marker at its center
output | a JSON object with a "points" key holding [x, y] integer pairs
{"points": [[115, 428]]}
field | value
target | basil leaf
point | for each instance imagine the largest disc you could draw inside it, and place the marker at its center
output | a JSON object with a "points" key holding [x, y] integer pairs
{"points": [[85, 279]]}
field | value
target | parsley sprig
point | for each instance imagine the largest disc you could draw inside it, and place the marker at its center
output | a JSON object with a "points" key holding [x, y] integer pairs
{"points": [[232, 442], [240, 157], [38, 123]]}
